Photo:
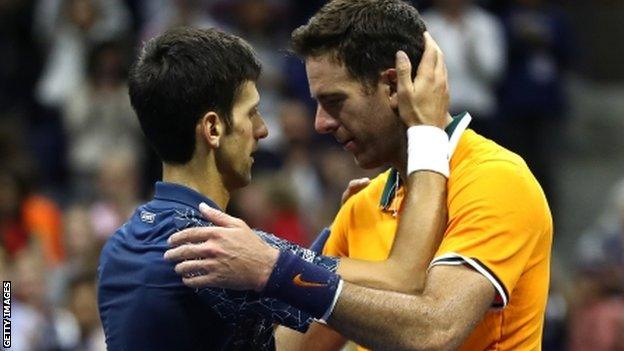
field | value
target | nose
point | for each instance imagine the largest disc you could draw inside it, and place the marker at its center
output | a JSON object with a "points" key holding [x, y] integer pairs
{"points": [[323, 122], [261, 131]]}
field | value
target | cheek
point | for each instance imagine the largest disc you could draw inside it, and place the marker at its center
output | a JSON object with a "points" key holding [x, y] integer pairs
{"points": [[244, 132]]}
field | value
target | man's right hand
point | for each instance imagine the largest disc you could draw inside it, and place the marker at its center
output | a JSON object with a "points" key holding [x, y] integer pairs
{"points": [[226, 255], [425, 100]]}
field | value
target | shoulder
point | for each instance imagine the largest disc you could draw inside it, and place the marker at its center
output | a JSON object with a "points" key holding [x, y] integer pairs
{"points": [[477, 153], [490, 172], [185, 217]]}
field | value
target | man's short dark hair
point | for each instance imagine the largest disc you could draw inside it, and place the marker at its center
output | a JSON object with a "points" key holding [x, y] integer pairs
{"points": [[181, 75], [364, 35]]}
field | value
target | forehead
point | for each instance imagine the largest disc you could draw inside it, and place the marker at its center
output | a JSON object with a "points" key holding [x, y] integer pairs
{"points": [[328, 76]]}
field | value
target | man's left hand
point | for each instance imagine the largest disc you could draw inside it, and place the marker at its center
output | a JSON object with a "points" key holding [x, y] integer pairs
{"points": [[226, 255]]}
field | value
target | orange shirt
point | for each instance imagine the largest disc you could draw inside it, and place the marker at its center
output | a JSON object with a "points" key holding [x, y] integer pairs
{"points": [[499, 224], [43, 219]]}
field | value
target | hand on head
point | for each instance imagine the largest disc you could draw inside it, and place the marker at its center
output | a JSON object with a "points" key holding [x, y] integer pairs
{"points": [[425, 99]]}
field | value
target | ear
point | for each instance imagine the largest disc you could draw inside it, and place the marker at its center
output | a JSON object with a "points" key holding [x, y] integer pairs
{"points": [[388, 81], [210, 128]]}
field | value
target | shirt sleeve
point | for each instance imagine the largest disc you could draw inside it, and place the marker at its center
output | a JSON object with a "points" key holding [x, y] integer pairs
{"points": [[337, 243], [233, 306], [497, 216]]}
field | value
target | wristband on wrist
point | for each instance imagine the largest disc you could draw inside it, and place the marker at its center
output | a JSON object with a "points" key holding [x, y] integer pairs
{"points": [[427, 150], [303, 285]]}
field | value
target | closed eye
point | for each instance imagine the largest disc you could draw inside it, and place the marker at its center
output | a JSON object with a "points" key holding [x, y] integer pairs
{"points": [[254, 112], [332, 103]]}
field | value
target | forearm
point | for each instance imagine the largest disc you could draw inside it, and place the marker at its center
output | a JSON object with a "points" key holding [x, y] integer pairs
{"points": [[319, 337], [454, 301], [420, 230], [364, 315]]}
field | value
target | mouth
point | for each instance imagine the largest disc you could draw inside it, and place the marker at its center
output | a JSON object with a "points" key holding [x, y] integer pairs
{"points": [[348, 144], [253, 153]]}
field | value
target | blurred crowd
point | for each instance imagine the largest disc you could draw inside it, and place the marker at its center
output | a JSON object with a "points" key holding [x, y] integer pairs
{"points": [[73, 162]]}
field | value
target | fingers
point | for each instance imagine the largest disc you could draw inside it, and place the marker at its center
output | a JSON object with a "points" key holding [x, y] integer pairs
{"points": [[440, 66], [191, 252], [217, 217], [405, 86], [200, 281], [357, 184], [404, 72], [429, 59], [191, 235], [354, 187], [192, 268], [404, 76], [194, 235]]}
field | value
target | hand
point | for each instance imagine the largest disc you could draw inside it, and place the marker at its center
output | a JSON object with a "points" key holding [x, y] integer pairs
{"points": [[426, 99], [227, 255], [354, 187]]}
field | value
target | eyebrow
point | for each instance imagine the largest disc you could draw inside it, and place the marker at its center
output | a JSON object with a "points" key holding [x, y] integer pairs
{"points": [[254, 106], [324, 96]]}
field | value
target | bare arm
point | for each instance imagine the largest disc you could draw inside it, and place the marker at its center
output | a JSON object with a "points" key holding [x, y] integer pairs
{"points": [[455, 299], [318, 337], [419, 232]]}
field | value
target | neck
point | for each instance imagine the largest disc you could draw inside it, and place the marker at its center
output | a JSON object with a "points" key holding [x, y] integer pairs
{"points": [[401, 163], [202, 177]]}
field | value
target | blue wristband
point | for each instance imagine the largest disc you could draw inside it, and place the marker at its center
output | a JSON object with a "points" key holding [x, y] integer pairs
{"points": [[302, 285]]}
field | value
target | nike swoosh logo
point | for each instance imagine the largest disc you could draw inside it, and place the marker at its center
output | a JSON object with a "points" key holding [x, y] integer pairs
{"points": [[305, 284]]}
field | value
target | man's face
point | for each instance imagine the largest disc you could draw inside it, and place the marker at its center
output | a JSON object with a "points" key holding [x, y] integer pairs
{"points": [[360, 119], [234, 155]]}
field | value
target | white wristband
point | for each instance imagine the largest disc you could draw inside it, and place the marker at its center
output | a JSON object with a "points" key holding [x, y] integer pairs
{"points": [[427, 150], [323, 320]]}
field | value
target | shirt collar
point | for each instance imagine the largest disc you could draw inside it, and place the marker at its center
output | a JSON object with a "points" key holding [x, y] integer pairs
{"points": [[179, 193], [454, 130]]}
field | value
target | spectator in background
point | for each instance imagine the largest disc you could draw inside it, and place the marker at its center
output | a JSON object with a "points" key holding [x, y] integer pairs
{"points": [[21, 58], [533, 100], [160, 15], [270, 204], [118, 192], [27, 217], [255, 20], [97, 115], [82, 246], [82, 249], [300, 167], [83, 305], [36, 323], [65, 30], [597, 318], [288, 221], [69, 27], [473, 43]]}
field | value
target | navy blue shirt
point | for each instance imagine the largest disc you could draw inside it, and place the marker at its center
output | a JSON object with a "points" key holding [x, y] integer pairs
{"points": [[145, 306]]}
